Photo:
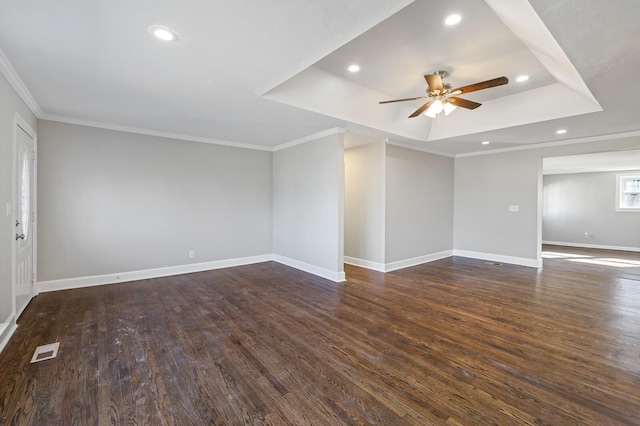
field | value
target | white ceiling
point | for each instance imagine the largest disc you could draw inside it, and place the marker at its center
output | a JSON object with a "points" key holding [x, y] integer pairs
{"points": [[265, 73]]}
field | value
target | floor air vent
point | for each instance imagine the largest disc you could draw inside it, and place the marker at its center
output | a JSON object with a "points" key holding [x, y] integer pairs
{"points": [[45, 352], [493, 263]]}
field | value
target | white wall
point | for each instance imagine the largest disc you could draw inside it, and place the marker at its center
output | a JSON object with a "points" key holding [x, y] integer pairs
{"points": [[364, 212], [585, 202], [485, 185], [308, 206], [484, 188], [112, 202], [10, 103], [419, 204], [399, 205]]}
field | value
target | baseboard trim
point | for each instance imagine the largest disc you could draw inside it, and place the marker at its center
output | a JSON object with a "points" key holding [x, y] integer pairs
{"points": [[90, 281], [594, 246], [522, 261], [367, 264], [95, 280], [401, 264], [312, 269], [6, 331]]}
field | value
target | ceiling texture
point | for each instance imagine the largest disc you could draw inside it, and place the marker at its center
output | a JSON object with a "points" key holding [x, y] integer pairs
{"points": [[264, 74]]}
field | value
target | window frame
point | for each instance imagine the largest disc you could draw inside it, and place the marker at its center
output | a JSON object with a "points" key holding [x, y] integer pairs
{"points": [[620, 178]]}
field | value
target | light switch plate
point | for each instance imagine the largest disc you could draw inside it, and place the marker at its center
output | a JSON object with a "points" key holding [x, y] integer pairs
{"points": [[513, 208]]}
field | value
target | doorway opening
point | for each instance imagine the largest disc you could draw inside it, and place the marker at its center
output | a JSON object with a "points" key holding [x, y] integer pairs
{"points": [[580, 197]]}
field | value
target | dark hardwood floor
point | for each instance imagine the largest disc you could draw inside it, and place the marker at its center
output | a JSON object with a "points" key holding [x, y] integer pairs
{"points": [[456, 342]]}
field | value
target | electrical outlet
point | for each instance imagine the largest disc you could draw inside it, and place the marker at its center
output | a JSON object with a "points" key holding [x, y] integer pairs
{"points": [[587, 235], [192, 254]]}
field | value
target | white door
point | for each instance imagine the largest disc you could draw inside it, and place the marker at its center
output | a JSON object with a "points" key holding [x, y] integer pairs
{"points": [[23, 218]]}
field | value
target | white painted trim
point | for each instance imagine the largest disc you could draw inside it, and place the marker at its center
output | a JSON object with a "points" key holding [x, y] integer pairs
{"points": [[374, 266], [312, 269], [598, 138], [522, 261], [22, 308], [594, 246], [70, 283], [313, 137], [383, 207], [620, 192], [95, 280], [148, 132], [18, 85], [6, 331], [401, 264], [179, 136], [24, 125]]}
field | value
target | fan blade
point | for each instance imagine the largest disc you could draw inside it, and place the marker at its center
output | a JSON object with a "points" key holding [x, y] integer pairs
{"points": [[464, 103], [435, 82], [482, 85], [402, 100], [421, 109]]}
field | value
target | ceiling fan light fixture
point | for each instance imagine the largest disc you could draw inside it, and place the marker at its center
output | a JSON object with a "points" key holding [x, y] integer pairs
{"points": [[440, 93], [453, 19], [448, 108], [522, 78], [163, 33], [434, 109], [429, 113], [437, 106]]}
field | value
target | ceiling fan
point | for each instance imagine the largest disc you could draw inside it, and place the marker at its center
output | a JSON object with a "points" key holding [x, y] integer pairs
{"points": [[443, 98]]}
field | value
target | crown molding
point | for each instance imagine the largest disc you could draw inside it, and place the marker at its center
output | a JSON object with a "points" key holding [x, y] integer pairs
{"points": [[18, 85], [612, 136], [148, 132], [309, 138], [179, 136]]}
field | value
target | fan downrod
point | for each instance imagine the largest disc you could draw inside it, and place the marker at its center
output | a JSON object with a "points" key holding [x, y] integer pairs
{"points": [[441, 73]]}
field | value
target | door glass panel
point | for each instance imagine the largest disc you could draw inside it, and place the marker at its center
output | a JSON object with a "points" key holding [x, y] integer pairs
{"points": [[25, 196]]}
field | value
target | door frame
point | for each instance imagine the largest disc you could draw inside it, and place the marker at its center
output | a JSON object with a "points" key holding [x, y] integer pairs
{"points": [[21, 123]]}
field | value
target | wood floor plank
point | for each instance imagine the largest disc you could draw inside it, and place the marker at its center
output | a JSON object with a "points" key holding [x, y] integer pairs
{"points": [[453, 342], [313, 359]]}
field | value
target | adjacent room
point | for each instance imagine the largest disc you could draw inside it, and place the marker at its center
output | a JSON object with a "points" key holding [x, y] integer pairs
{"points": [[365, 212]]}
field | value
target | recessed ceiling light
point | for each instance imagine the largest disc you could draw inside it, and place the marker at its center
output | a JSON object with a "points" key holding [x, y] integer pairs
{"points": [[453, 19], [354, 68], [486, 142], [522, 78], [163, 33], [561, 132]]}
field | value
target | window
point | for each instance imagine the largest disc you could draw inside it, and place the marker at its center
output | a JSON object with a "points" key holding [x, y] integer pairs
{"points": [[628, 193]]}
